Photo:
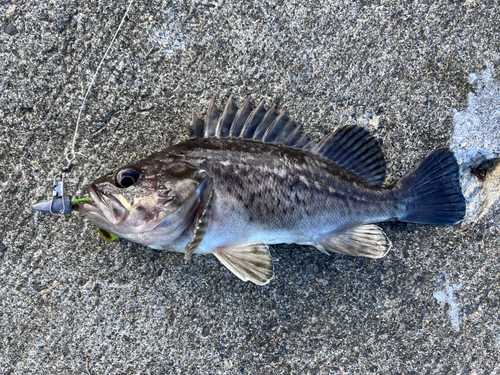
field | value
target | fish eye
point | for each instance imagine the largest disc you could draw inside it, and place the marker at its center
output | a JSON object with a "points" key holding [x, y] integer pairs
{"points": [[126, 177]]}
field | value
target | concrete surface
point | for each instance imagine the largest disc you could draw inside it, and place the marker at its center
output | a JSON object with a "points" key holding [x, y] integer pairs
{"points": [[69, 301]]}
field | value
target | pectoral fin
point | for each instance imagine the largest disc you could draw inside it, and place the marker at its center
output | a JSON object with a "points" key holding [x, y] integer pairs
{"points": [[202, 223], [364, 241], [251, 261]]}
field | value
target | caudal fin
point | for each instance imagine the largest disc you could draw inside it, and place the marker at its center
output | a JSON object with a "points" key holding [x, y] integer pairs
{"points": [[432, 192]]}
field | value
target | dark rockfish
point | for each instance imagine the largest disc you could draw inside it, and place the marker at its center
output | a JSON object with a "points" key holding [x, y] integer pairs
{"points": [[249, 177]]}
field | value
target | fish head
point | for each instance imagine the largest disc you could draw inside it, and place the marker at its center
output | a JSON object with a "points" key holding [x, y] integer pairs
{"points": [[151, 202]]}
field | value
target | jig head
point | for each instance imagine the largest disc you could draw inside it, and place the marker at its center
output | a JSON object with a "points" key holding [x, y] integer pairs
{"points": [[60, 204]]}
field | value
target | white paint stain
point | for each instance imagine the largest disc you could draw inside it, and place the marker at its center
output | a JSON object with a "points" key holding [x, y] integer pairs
{"points": [[476, 137], [447, 295]]}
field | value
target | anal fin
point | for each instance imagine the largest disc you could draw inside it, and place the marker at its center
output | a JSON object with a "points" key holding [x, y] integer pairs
{"points": [[367, 241], [249, 262]]}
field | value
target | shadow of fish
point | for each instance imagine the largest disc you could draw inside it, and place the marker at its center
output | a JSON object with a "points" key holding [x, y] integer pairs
{"points": [[249, 177]]}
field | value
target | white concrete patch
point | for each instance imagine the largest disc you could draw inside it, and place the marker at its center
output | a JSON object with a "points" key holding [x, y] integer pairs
{"points": [[476, 137], [447, 295], [491, 189], [172, 35]]}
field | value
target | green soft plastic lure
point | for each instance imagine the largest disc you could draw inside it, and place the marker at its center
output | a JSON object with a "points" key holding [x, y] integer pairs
{"points": [[74, 202], [105, 235]]}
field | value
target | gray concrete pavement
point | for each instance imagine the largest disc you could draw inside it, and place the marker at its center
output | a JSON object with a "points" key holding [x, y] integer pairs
{"points": [[403, 70]]}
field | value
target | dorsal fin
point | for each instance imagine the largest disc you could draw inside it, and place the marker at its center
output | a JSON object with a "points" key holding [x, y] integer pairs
{"points": [[356, 150], [352, 147], [250, 123]]}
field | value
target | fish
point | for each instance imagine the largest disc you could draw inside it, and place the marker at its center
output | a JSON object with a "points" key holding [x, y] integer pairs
{"points": [[249, 177]]}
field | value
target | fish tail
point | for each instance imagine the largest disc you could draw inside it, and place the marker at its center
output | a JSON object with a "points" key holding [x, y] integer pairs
{"points": [[432, 192]]}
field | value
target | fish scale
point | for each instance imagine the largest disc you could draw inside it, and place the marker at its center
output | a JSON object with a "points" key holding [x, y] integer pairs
{"points": [[289, 186]]}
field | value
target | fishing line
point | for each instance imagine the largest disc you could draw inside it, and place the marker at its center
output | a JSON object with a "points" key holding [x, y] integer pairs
{"points": [[61, 204], [93, 80]]}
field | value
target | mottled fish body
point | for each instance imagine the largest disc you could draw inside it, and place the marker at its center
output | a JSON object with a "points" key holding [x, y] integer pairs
{"points": [[280, 195], [249, 177]]}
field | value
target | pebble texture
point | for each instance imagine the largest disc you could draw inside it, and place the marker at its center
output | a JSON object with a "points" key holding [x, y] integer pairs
{"points": [[72, 304]]}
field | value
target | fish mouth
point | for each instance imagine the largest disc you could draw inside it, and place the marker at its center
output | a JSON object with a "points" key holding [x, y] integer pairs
{"points": [[104, 210]]}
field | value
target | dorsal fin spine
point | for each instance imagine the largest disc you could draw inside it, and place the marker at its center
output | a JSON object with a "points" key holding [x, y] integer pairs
{"points": [[288, 128], [319, 147], [293, 138], [303, 141], [268, 135], [291, 135], [211, 119], [240, 119], [310, 146], [197, 126], [266, 123], [226, 119], [253, 121]]}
